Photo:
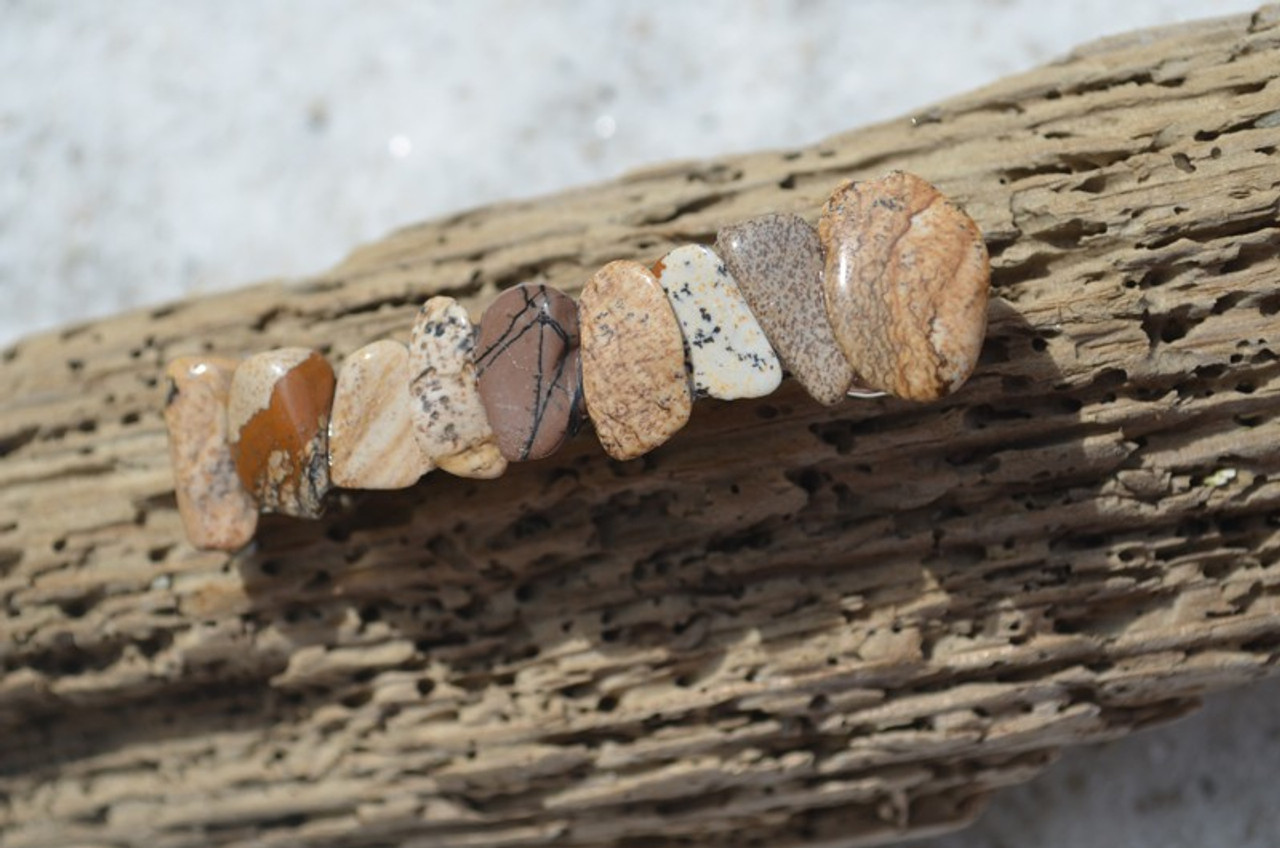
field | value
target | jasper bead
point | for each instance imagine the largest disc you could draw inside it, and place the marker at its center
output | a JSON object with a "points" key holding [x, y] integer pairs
{"points": [[371, 441], [529, 368], [633, 369], [777, 262], [728, 354], [449, 420], [278, 415], [906, 284], [216, 510]]}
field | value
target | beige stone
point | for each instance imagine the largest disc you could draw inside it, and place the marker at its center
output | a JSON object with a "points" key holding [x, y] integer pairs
{"points": [[371, 441], [217, 512], [906, 283], [633, 367], [449, 419]]}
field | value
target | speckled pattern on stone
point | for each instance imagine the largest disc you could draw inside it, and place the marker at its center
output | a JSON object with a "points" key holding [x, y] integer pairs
{"points": [[633, 371], [278, 416], [777, 261], [449, 419], [727, 352], [371, 441], [217, 512], [906, 285], [530, 372]]}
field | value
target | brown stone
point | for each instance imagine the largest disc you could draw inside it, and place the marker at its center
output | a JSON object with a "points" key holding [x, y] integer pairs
{"points": [[449, 420], [529, 370], [633, 369], [906, 283], [371, 441], [777, 262], [217, 512], [278, 416]]}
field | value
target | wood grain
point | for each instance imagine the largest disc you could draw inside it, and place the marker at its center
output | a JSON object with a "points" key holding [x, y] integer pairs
{"points": [[790, 626]]}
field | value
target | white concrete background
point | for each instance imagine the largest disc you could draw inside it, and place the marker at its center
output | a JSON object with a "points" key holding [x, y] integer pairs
{"points": [[153, 149]]}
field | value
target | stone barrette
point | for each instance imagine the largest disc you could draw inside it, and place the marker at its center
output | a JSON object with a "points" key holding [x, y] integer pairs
{"points": [[888, 294]]}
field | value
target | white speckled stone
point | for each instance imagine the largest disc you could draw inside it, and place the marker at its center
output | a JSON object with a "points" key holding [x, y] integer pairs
{"points": [[449, 419], [727, 352]]}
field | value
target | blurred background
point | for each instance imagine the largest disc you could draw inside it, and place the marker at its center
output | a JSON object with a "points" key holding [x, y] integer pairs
{"points": [[150, 150]]}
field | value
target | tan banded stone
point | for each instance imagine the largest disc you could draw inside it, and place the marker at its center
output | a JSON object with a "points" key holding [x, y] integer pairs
{"points": [[217, 512], [906, 284], [371, 440], [633, 368]]}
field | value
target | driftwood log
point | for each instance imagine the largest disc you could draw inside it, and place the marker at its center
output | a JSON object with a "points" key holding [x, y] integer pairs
{"points": [[789, 626]]}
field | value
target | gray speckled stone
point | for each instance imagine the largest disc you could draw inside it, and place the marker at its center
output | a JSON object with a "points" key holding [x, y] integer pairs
{"points": [[777, 261]]}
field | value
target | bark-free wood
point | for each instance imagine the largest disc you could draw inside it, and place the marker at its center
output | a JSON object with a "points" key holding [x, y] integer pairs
{"points": [[789, 626]]}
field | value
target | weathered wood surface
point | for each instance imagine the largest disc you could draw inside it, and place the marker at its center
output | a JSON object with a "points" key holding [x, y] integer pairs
{"points": [[791, 625]]}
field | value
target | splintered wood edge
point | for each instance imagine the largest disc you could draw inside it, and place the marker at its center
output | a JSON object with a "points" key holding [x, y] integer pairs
{"points": [[790, 626]]}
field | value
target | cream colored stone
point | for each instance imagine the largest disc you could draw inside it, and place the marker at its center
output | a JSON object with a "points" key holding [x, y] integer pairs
{"points": [[371, 441], [217, 512], [633, 367], [729, 356], [449, 420]]}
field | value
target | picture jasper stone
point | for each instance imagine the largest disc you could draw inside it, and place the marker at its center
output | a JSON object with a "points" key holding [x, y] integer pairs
{"points": [[449, 420], [529, 368], [278, 416], [217, 511], [371, 441], [777, 261], [727, 352], [633, 370], [907, 277]]}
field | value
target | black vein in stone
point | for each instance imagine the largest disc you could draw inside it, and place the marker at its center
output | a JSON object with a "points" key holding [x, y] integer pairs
{"points": [[519, 324]]}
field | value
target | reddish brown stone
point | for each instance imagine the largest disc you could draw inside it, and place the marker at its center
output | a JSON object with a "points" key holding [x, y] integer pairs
{"points": [[278, 415], [529, 370]]}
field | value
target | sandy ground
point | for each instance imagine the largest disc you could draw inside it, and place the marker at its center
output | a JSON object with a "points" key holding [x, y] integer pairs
{"points": [[152, 149]]}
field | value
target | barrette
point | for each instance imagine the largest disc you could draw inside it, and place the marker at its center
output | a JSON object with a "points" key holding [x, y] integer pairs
{"points": [[887, 296]]}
